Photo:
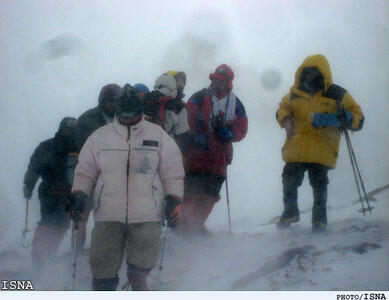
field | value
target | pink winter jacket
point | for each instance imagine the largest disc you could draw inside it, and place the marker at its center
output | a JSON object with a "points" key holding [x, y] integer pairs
{"points": [[128, 175]]}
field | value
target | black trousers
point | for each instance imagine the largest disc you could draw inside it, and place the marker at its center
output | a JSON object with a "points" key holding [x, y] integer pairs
{"points": [[53, 209], [292, 178], [209, 184]]}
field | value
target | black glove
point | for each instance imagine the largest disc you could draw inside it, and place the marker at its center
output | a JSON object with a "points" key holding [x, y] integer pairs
{"points": [[225, 134], [201, 141], [27, 192], [76, 205], [172, 210], [218, 122], [345, 118]]}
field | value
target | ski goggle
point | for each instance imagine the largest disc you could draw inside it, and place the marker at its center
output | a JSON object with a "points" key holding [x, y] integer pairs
{"points": [[127, 115]]}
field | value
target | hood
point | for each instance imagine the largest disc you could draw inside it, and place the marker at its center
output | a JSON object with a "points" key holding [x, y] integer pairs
{"points": [[166, 84], [141, 88], [318, 61], [108, 93], [127, 100], [177, 74], [64, 137], [172, 72]]}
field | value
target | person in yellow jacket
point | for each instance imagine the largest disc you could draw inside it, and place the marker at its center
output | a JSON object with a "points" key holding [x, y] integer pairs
{"points": [[313, 113]]}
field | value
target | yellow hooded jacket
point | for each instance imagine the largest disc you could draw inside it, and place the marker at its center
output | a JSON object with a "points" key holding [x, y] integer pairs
{"points": [[310, 144]]}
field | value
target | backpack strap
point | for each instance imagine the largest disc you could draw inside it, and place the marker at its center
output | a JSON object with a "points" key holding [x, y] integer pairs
{"points": [[335, 92]]}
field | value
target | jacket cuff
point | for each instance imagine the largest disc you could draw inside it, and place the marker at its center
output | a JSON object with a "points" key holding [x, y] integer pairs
{"points": [[280, 116], [83, 187]]}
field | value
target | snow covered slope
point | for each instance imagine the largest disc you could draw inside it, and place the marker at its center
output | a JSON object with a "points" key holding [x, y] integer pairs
{"points": [[352, 255]]}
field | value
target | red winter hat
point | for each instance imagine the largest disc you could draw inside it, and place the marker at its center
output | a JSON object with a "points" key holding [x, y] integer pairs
{"points": [[223, 72]]}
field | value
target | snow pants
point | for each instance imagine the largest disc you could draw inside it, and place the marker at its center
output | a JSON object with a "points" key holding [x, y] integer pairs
{"points": [[140, 241], [201, 194], [45, 242], [292, 178], [51, 228]]}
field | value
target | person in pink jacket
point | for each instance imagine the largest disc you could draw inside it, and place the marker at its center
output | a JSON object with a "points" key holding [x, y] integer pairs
{"points": [[133, 172]]}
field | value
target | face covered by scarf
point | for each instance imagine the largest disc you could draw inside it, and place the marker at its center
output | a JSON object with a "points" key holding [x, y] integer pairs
{"points": [[312, 81], [221, 81]]}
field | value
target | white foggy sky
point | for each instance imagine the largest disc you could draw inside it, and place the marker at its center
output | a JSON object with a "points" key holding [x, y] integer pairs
{"points": [[134, 41]]}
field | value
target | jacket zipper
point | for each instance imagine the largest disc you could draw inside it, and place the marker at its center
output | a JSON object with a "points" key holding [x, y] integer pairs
{"points": [[128, 174]]}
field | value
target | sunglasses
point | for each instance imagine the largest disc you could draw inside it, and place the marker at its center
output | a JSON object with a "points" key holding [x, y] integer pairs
{"points": [[127, 115]]}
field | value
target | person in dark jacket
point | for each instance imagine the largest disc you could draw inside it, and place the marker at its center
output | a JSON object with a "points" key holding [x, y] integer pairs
{"points": [[49, 162], [87, 123], [96, 117], [217, 118]]}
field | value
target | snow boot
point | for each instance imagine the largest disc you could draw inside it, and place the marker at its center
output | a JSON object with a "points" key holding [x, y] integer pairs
{"points": [[291, 212], [137, 278], [318, 227], [285, 221], [106, 284]]}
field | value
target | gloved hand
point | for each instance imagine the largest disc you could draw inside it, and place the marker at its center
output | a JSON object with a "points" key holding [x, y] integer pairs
{"points": [[27, 192], [225, 134], [172, 210], [320, 120], [76, 205], [345, 118], [288, 124], [201, 141]]}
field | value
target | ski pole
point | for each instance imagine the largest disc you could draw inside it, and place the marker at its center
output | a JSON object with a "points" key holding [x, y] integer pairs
{"points": [[76, 220], [163, 253], [354, 164], [355, 171], [228, 206], [227, 195], [25, 231]]}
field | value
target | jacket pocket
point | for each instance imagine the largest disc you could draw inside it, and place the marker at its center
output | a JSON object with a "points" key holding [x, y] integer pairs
{"points": [[98, 202], [144, 161]]}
